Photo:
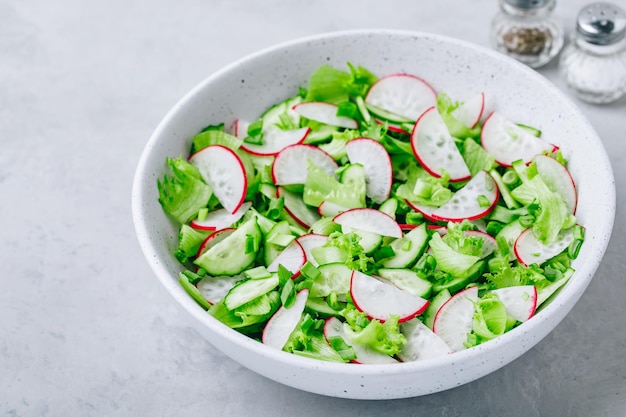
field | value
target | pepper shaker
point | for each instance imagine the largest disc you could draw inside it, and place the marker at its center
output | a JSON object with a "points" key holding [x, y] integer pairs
{"points": [[527, 31], [593, 64]]}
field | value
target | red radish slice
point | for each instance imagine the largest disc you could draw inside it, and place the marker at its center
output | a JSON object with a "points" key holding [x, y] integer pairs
{"points": [[427, 211], [290, 165], [220, 218], [324, 113], [376, 164], [454, 319], [333, 327], [284, 321], [214, 239], [223, 170], [403, 94], [369, 220], [466, 203], [292, 258], [240, 128], [213, 289], [508, 142], [529, 250], [558, 179], [520, 301], [380, 299], [469, 112], [304, 215], [435, 149], [329, 209], [309, 242], [275, 140], [422, 343]]}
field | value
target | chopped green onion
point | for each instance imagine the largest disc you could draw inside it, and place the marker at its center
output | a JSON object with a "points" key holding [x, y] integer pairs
{"points": [[202, 213], [259, 272], [384, 253], [574, 248], [363, 110], [483, 201], [510, 177], [288, 294], [309, 271], [255, 128], [333, 301], [281, 239], [343, 349], [413, 217]]}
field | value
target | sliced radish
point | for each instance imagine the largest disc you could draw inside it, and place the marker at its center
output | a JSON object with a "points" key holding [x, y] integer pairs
{"points": [[466, 203], [275, 140], [454, 319], [213, 289], [220, 218], [403, 94], [280, 326], [223, 170], [292, 258], [435, 149], [290, 165], [376, 164], [304, 215], [324, 113], [240, 128], [310, 241], [422, 343], [529, 250], [558, 179], [508, 142], [369, 220], [333, 327], [380, 299], [329, 209], [469, 112], [520, 301], [214, 239]]}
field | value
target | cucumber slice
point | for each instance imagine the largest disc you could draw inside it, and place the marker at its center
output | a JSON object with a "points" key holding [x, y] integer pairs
{"points": [[408, 248], [248, 290], [458, 283], [334, 277], [230, 257], [407, 280], [320, 307], [436, 303], [369, 241]]}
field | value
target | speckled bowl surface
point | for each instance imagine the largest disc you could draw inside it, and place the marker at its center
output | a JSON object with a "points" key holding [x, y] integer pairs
{"points": [[247, 87]]}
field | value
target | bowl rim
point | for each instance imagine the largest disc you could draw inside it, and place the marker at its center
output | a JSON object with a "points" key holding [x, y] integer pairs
{"points": [[572, 291]]}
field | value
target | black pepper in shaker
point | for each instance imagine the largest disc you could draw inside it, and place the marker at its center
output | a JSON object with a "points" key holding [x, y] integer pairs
{"points": [[527, 31]]}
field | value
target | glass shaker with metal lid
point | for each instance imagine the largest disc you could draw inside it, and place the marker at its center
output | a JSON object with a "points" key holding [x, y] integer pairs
{"points": [[593, 64], [527, 31]]}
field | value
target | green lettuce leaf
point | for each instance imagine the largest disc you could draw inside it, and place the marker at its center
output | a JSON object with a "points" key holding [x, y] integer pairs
{"points": [[189, 241]]}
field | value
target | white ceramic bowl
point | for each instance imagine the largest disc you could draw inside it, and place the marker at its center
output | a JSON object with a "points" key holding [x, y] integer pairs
{"points": [[250, 85]]}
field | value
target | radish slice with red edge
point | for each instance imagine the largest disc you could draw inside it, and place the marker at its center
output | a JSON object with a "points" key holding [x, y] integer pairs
{"points": [[380, 299], [369, 220], [275, 140], [223, 170], [403, 94], [214, 239], [376, 164], [558, 179], [519, 301], [333, 327], [290, 165], [435, 149], [454, 319], [426, 211], [529, 250], [422, 343], [329, 209], [508, 142], [292, 258], [213, 289], [303, 214], [284, 321], [324, 113], [470, 111], [309, 242], [240, 128], [220, 218], [475, 200]]}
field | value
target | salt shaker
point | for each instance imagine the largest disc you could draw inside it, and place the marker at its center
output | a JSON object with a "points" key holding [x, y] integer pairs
{"points": [[593, 64], [527, 31]]}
